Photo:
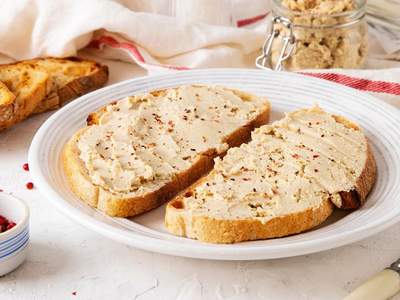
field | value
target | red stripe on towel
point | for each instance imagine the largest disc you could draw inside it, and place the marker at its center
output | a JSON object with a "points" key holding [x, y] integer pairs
{"points": [[360, 83], [245, 22], [353, 82], [131, 48]]}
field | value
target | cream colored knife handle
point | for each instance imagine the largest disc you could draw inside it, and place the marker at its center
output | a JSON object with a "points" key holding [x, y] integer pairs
{"points": [[380, 287]]}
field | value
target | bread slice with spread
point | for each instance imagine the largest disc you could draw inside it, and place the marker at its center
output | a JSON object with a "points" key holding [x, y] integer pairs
{"points": [[284, 181], [139, 152]]}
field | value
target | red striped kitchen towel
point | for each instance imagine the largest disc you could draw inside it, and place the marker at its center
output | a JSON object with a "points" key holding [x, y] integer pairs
{"points": [[383, 83], [163, 36]]}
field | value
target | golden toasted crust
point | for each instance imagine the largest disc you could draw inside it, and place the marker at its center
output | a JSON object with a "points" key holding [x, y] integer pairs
{"points": [[46, 83], [71, 76], [7, 99], [115, 205], [212, 230], [29, 85]]}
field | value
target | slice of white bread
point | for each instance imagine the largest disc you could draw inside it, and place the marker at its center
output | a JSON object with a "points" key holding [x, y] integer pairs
{"points": [[141, 151], [29, 85], [71, 77], [284, 181]]}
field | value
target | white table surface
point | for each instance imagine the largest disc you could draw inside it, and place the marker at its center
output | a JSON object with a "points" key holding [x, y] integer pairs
{"points": [[65, 257]]}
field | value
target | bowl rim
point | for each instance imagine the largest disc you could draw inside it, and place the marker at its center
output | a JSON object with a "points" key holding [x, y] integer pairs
{"points": [[4, 236]]}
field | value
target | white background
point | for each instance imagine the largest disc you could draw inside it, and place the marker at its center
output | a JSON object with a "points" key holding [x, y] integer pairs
{"points": [[65, 257]]}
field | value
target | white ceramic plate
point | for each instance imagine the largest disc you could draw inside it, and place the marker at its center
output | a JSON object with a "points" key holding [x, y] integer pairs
{"points": [[287, 92]]}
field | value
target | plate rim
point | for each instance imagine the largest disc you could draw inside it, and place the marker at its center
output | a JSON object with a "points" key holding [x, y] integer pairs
{"points": [[204, 251]]}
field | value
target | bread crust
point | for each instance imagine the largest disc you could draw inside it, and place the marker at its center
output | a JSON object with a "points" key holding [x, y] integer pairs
{"points": [[213, 230], [7, 99], [118, 206], [23, 106], [75, 88], [357, 196], [42, 97]]}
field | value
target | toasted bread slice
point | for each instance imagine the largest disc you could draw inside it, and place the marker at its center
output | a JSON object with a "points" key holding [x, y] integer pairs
{"points": [[141, 151], [29, 85], [71, 77], [284, 181], [6, 104]]}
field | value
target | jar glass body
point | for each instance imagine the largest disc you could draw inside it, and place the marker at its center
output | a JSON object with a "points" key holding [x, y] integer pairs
{"points": [[337, 40]]}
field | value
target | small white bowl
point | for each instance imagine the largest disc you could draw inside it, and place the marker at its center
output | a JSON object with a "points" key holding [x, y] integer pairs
{"points": [[13, 242]]}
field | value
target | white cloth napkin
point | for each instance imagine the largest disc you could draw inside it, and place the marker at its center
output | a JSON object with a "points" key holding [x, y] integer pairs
{"points": [[32, 28], [162, 35]]}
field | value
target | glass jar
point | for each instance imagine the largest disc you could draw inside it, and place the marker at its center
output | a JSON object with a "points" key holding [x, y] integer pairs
{"points": [[308, 34]]}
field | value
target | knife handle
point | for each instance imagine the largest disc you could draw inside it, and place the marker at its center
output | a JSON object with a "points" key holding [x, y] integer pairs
{"points": [[382, 286]]}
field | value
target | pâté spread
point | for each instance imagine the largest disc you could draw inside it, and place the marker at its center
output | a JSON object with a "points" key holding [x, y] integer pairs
{"points": [[142, 142]]}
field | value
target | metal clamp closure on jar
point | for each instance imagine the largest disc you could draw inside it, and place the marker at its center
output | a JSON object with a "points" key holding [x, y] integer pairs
{"points": [[262, 61]]}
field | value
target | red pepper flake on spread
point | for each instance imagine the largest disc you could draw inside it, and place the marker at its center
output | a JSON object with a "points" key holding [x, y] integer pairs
{"points": [[5, 224], [157, 118], [296, 156], [74, 293], [315, 156], [171, 125], [1, 190], [29, 185], [25, 166]]}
